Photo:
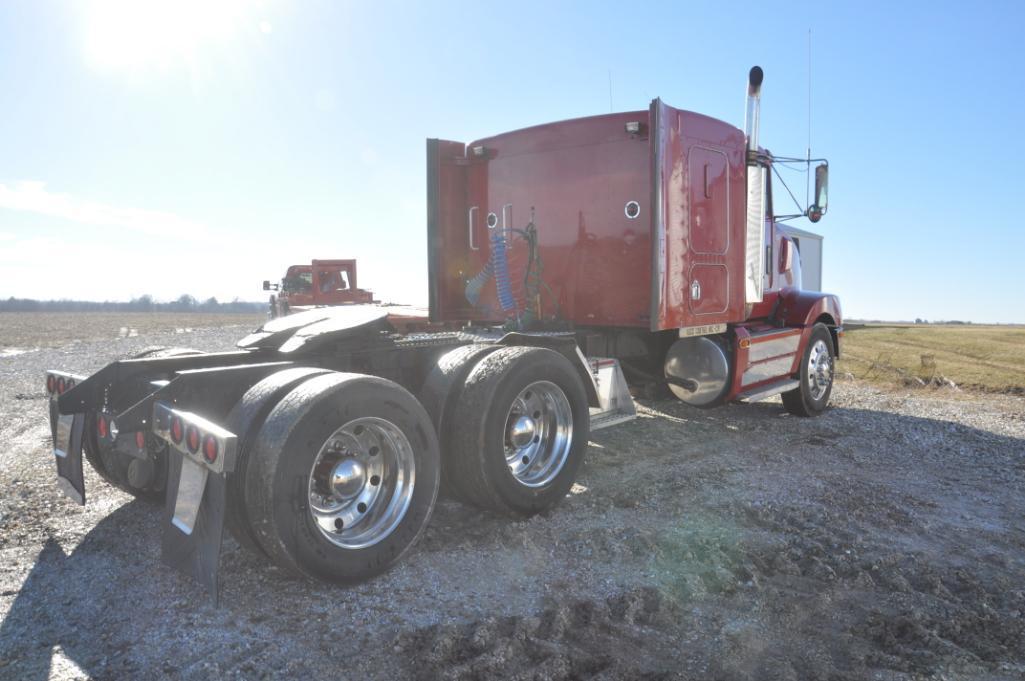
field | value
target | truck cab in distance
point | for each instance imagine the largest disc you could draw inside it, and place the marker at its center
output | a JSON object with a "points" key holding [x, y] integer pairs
{"points": [[322, 282]]}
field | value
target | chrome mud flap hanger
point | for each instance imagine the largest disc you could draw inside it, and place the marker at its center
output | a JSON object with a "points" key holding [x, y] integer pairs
{"points": [[200, 454]]}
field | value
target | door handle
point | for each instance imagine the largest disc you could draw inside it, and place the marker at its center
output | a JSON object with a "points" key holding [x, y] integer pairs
{"points": [[695, 290]]}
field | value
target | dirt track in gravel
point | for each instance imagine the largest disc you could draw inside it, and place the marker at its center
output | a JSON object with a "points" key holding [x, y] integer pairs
{"points": [[884, 540]]}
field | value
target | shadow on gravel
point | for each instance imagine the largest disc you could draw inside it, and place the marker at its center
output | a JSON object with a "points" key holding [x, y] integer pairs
{"points": [[895, 554], [44, 615]]}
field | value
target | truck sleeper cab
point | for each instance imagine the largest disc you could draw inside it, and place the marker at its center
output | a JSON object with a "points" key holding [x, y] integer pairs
{"points": [[570, 265]]}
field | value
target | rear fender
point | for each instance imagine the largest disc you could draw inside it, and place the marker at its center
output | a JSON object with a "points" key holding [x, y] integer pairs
{"points": [[211, 392], [565, 345], [95, 392]]}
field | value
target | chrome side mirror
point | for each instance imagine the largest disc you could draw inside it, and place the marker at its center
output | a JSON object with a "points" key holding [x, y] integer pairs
{"points": [[818, 209]]}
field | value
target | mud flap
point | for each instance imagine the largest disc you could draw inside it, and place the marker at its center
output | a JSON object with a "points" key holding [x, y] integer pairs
{"points": [[194, 520], [67, 433]]}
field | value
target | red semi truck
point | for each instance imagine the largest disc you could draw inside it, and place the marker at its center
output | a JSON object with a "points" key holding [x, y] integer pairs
{"points": [[322, 282], [570, 264]]}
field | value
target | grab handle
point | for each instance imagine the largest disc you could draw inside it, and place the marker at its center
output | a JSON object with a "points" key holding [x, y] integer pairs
{"points": [[469, 219]]}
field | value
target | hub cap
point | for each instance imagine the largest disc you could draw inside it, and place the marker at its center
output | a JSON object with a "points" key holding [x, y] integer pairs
{"points": [[820, 369], [362, 482], [538, 434]]}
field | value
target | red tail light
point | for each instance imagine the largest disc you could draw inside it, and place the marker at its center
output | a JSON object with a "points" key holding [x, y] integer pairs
{"points": [[192, 439], [210, 448], [177, 432], [61, 386], [101, 425], [51, 383], [140, 440]]}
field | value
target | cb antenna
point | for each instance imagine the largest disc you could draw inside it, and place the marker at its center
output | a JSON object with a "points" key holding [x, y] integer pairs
{"points": [[807, 168]]}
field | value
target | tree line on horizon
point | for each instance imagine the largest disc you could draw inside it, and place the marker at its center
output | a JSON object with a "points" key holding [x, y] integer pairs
{"points": [[146, 303]]}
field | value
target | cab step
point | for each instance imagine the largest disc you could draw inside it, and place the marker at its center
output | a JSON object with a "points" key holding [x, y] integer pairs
{"points": [[766, 391]]}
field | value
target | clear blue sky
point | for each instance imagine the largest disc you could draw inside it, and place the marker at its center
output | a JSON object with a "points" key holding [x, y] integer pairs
{"points": [[200, 147]]}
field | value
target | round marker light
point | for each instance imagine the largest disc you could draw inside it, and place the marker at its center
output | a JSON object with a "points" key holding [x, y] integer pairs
{"points": [[192, 439], [140, 440], [101, 425], [51, 383], [177, 432], [61, 386], [210, 449]]}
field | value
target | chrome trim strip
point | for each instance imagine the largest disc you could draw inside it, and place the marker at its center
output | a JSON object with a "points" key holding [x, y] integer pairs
{"points": [[787, 345], [763, 371], [658, 219]]}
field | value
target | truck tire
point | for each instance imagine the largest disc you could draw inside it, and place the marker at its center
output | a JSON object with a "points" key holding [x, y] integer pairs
{"points": [[113, 466], [245, 420], [439, 396], [815, 375], [342, 478], [519, 431]]}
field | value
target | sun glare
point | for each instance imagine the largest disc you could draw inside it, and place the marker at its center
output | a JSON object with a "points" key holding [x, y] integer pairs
{"points": [[142, 34]]}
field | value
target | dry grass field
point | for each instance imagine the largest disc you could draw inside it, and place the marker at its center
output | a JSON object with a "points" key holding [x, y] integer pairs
{"points": [[31, 330], [988, 358]]}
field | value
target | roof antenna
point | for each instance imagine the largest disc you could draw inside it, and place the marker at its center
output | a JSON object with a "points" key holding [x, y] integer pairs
{"points": [[807, 169]]}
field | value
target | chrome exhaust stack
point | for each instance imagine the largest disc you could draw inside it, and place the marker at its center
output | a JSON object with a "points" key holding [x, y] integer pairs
{"points": [[754, 263], [754, 102]]}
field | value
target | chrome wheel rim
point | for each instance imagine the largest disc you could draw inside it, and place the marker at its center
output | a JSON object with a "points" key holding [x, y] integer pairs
{"points": [[820, 369], [538, 434], [361, 483]]}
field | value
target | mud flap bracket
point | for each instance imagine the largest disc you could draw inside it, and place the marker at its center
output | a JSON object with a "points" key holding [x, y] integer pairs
{"points": [[200, 455], [194, 521]]}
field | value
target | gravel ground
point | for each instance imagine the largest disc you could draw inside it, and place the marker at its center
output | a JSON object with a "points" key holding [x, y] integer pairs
{"points": [[883, 540]]}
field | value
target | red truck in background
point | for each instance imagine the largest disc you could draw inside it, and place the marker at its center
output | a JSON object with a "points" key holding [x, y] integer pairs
{"points": [[571, 265], [322, 282]]}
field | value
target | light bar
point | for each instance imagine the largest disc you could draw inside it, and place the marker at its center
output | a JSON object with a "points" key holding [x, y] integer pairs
{"points": [[198, 439], [59, 382]]}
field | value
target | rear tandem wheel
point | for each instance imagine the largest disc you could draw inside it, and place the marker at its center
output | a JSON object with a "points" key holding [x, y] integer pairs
{"points": [[519, 431], [342, 477], [439, 396]]}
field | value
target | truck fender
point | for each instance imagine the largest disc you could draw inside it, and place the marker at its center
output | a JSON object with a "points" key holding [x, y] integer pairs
{"points": [[805, 308]]}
